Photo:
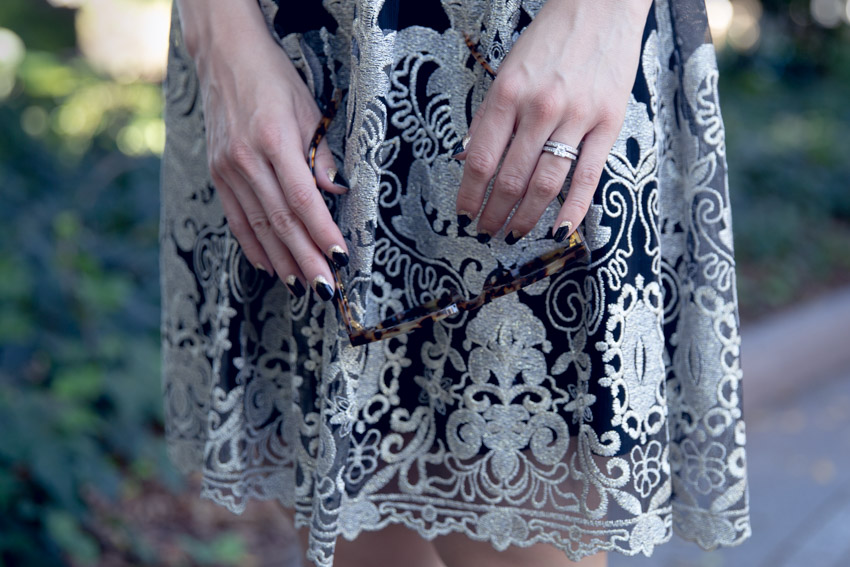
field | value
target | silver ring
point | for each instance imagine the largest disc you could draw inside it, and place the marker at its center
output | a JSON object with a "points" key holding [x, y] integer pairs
{"points": [[560, 149]]}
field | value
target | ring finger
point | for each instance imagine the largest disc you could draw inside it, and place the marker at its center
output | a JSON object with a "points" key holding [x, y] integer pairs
{"points": [[546, 183], [513, 178]]}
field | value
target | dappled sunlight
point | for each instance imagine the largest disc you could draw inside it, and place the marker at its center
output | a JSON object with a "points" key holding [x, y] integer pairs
{"points": [[128, 39], [735, 23], [11, 54]]}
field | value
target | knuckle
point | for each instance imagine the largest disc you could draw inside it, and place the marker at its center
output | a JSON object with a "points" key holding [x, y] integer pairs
{"points": [[587, 176], [268, 137], [241, 155], [480, 163], [547, 185], [283, 223], [219, 165], [300, 198], [579, 112], [260, 225], [240, 229], [609, 117], [506, 93], [511, 184], [543, 106]]}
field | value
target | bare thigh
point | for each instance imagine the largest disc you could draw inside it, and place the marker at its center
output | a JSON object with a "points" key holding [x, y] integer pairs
{"points": [[457, 550], [392, 546]]}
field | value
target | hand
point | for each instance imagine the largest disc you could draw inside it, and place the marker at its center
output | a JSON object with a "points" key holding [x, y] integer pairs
{"points": [[260, 118], [567, 78]]}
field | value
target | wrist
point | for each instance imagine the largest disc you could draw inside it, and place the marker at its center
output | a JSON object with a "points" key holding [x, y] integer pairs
{"points": [[219, 29], [633, 10]]}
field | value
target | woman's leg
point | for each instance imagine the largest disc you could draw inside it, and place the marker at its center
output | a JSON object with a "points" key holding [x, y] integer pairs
{"points": [[393, 546], [457, 550]]}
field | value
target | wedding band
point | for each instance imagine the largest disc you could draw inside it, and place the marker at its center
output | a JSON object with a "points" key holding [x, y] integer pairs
{"points": [[560, 150]]}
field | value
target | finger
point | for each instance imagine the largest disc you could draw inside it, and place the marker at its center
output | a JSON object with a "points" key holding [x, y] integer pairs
{"points": [[282, 261], [546, 182], [591, 162], [483, 153], [291, 173], [240, 227], [328, 177], [514, 176], [274, 219], [459, 151]]}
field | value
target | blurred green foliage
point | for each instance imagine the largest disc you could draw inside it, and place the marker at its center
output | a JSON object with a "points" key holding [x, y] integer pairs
{"points": [[80, 406], [785, 107], [79, 362]]}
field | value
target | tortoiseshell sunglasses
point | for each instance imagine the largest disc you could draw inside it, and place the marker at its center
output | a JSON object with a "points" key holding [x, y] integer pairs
{"points": [[497, 284]]}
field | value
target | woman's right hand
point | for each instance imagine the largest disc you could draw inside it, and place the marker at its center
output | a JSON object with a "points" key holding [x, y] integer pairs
{"points": [[260, 118]]}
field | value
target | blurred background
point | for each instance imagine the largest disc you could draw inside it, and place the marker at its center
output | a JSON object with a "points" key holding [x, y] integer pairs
{"points": [[84, 479]]}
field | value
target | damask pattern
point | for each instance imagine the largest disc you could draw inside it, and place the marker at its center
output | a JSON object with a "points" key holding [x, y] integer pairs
{"points": [[597, 410]]}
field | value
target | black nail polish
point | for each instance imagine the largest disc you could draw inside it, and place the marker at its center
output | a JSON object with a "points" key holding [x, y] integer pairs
{"points": [[323, 288], [562, 232], [338, 256], [340, 180], [513, 237], [463, 220], [483, 237], [295, 286], [458, 149]]}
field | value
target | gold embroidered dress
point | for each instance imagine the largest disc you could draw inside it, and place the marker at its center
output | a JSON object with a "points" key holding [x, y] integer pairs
{"points": [[599, 409]]}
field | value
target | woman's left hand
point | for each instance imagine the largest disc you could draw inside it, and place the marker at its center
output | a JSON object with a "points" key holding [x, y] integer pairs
{"points": [[567, 78]]}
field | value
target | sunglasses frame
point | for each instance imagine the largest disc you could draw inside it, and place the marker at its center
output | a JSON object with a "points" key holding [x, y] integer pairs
{"points": [[450, 304]]}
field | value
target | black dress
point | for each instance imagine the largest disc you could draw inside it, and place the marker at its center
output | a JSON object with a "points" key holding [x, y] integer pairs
{"points": [[596, 410]]}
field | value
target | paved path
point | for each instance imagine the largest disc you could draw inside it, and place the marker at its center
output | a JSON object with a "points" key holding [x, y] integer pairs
{"points": [[799, 472], [797, 407]]}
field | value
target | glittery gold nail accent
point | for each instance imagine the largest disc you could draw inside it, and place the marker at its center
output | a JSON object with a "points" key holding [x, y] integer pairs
{"points": [[261, 267], [513, 237], [338, 255], [464, 219], [323, 288], [337, 178], [294, 285], [460, 147]]}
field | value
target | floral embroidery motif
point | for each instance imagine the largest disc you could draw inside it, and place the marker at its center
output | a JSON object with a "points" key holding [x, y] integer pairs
{"points": [[595, 410]]}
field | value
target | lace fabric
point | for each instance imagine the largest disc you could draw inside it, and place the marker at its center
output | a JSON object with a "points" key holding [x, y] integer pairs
{"points": [[597, 410]]}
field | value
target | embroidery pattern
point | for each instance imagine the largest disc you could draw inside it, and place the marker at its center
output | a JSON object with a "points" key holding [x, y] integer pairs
{"points": [[598, 410]]}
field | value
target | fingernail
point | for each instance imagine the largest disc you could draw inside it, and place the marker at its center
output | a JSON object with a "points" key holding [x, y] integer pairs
{"points": [[464, 219], [322, 288], [295, 286], [484, 237], [337, 178], [461, 146], [513, 237], [338, 255], [563, 230], [261, 267]]}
